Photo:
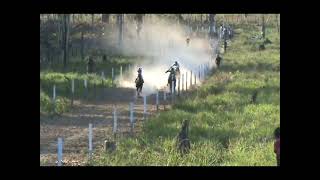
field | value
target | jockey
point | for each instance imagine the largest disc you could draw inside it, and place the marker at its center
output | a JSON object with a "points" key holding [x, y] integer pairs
{"points": [[139, 81], [175, 65], [140, 74]]}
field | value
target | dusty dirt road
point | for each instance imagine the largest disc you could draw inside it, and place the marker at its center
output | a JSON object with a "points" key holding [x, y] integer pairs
{"points": [[72, 127]]}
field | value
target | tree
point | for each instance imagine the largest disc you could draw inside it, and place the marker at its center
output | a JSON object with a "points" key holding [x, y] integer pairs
{"points": [[211, 25], [105, 18], [92, 19], [66, 22], [120, 19], [139, 20]]}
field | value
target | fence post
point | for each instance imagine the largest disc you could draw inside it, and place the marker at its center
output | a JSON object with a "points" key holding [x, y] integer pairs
{"points": [[144, 107], [60, 151], [90, 140], [120, 72], [186, 81], [114, 121], [172, 91], [131, 117], [190, 79], [72, 91], [157, 100], [182, 82], [179, 85], [112, 75], [54, 93], [54, 98], [164, 99], [199, 72], [85, 88]]}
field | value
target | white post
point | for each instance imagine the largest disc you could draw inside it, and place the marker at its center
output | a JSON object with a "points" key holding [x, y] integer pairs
{"points": [[102, 74], [190, 78], [120, 72], [60, 152], [72, 86], [182, 82], [90, 140], [203, 73], [172, 91], [157, 100], [199, 71], [114, 120], [54, 93], [85, 83], [112, 75], [186, 81], [131, 113], [144, 105]]}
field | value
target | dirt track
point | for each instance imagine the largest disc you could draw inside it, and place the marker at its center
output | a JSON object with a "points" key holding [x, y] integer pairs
{"points": [[73, 126]]}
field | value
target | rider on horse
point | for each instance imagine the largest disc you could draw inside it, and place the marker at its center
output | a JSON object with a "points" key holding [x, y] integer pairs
{"points": [[174, 71], [139, 81], [176, 68]]}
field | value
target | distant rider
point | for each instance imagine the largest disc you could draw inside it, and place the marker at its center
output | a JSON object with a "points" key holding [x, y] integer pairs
{"points": [[139, 81]]}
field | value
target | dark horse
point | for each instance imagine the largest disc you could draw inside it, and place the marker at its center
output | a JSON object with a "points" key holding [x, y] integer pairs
{"points": [[172, 79], [139, 84]]}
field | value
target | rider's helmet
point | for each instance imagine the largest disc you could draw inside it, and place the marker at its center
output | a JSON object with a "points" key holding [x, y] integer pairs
{"points": [[139, 70], [176, 63]]}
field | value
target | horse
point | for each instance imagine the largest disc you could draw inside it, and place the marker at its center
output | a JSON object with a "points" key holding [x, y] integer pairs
{"points": [[172, 80], [139, 84]]}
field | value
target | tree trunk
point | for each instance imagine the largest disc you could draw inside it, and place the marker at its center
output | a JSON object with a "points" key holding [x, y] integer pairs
{"points": [[66, 20], [120, 25], [82, 53], [211, 24], [105, 18], [92, 19]]}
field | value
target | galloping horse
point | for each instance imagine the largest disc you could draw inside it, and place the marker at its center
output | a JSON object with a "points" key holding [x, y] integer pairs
{"points": [[172, 79], [139, 82]]}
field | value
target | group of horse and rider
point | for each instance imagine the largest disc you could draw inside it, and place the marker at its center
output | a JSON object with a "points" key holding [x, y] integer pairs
{"points": [[174, 73]]}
